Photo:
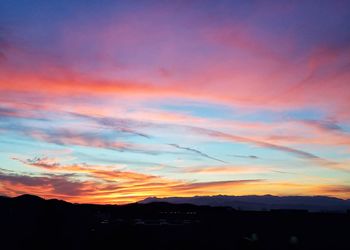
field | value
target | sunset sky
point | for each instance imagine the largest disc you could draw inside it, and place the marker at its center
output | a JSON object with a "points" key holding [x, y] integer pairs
{"points": [[115, 101]]}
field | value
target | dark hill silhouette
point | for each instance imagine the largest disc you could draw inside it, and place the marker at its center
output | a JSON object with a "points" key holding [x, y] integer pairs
{"points": [[264, 202], [30, 222], [29, 198]]}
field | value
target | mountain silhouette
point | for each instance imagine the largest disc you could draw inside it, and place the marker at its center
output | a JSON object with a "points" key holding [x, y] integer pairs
{"points": [[264, 202]]}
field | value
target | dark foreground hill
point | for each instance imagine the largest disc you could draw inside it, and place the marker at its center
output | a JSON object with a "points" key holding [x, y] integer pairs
{"points": [[263, 202], [29, 222]]}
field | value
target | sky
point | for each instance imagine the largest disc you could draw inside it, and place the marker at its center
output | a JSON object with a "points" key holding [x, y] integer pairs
{"points": [[115, 101]]}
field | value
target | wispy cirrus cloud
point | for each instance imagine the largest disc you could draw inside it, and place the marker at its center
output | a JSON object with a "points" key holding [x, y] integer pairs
{"points": [[327, 125], [227, 169], [123, 125], [226, 136], [324, 125], [88, 139], [91, 137], [197, 152], [129, 126], [296, 152], [252, 157]]}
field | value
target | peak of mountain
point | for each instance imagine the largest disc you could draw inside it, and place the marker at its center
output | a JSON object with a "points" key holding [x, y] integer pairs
{"points": [[28, 198], [33, 200], [263, 202]]}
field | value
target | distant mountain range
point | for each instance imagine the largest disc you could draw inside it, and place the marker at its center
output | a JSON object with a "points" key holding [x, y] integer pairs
{"points": [[248, 202], [264, 202]]}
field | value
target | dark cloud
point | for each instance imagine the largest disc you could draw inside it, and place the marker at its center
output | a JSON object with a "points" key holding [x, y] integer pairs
{"points": [[60, 184], [324, 125], [197, 152], [253, 157], [122, 125], [16, 113], [341, 189], [199, 185], [7, 111], [42, 162]]}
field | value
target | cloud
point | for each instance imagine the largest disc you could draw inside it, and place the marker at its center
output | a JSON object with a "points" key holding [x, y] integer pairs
{"points": [[214, 186], [4, 111], [197, 152], [104, 184], [102, 173], [57, 184], [88, 139], [230, 137], [8, 112], [252, 157], [130, 125], [104, 139], [226, 170], [296, 152], [337, 189], [42, 162], [327, 125], [101, 184], [122, 125], [240, 62]]}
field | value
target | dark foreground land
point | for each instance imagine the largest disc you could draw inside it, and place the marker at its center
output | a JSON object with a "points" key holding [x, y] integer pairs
{"points": [[29, 222]]}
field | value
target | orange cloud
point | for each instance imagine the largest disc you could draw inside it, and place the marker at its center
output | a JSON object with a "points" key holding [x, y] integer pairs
{"points": [[85, 183], [101, 184]]}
